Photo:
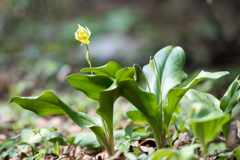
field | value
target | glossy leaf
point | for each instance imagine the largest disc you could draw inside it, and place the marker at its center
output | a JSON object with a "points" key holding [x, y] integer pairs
{"points": [[207, 99], [170, 61], [136, 116], [187, 153], [229, 101], [125, 74], [9, 142], [170, 154], [129, 130], [176, 94], [45, 104], [29, 137], [91, 85], [213, 147], [231, 97], [110, 95], [109, 69], [206, 123], [85, 139], [128, 88], [49, 103]]}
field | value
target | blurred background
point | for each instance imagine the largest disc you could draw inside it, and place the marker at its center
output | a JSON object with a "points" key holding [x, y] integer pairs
{"points": [[38, 49]]}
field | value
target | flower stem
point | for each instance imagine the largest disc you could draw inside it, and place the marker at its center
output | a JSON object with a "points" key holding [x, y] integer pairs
{"points": [[88, 57]]}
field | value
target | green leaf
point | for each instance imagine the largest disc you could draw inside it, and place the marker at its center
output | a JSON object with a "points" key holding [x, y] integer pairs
{"points": [[176, 94], [129, 130], [55, 150], [170, 154], [28, 136], [136, 116], [89, 139], [125, 74], [170, 61], [42, 105], [127, 87], [207, 123], [91, 85], [231, 97], [207, 99], [220, 147], [9, 142], [141, 135], [187, 153], [85, 139], [109, 69], [229, 101], [237, 150], [49, 103], [118, 134]]}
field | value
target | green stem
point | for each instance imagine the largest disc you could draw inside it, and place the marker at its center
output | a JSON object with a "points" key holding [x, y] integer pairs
{"points": [[143, 75], [204, 150], [169, 137], [46, 146], [109, 137], [160, 105], [156, 135], [88, 57]]}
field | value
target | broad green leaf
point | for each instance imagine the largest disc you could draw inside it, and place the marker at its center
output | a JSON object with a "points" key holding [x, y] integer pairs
{"points": [[170, 61], [129, 130], [91, 85], [49, 103], [109, 69], [207, 123], [208, 99], [45, 104], [145, 102], [85, 139], [125, 74], [141, 135], [187, 153], [29, 137], [171, 154], [106, 101], [231, 97], [124, 143], [220, 147], [118, 134], [9, 142], [55, 149], [237, 150], [110, 95], [136, 116], [229, 101], [176, 94], [128, 88]]}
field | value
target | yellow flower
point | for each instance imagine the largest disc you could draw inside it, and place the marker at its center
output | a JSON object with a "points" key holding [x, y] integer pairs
{"points": [[82, 34]]}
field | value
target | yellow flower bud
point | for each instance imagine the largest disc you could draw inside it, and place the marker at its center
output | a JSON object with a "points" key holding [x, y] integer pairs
{"points": [[82, 34], [152, 65]]}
